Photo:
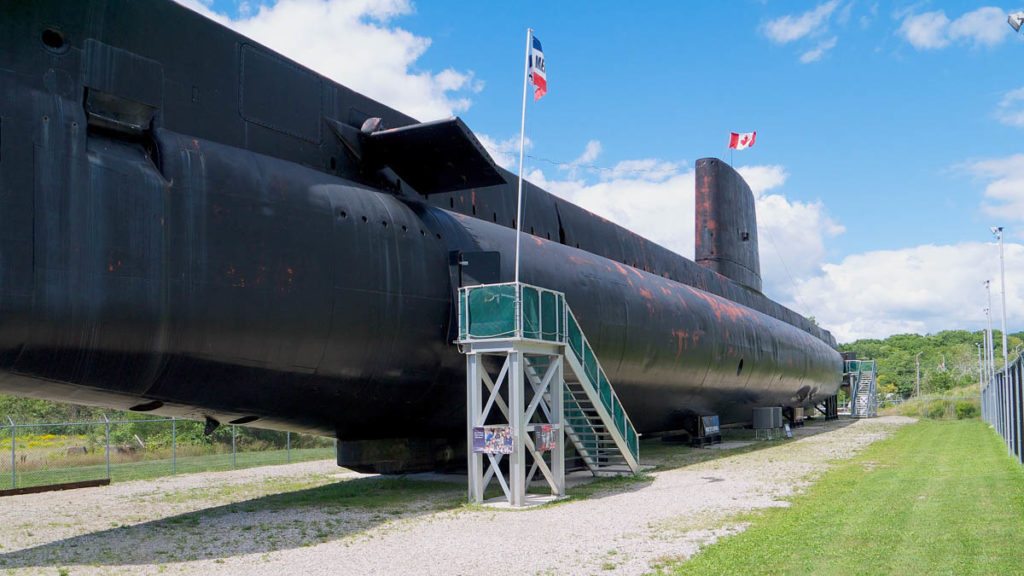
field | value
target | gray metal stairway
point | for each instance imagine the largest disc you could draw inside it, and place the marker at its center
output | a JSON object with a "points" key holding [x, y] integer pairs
{"points": [[863, 389], [595, 441]]}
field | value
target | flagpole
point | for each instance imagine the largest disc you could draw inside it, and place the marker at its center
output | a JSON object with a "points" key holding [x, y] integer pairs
{"points": [[522, 143]]}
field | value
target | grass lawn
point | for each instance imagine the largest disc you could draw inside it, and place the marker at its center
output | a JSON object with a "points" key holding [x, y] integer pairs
{"points": [[941, 497]]}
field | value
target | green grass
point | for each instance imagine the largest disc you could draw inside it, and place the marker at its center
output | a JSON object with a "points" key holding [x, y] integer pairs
{"points": [[156, 468], [941, 497]]}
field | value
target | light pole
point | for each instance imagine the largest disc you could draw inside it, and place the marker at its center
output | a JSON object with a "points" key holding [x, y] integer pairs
{"points": [[990, 345], [917, 360], [981, 364], [998, 231]]}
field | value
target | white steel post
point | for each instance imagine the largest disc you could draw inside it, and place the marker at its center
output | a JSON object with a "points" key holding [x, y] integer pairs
{"points": [[558, 421], [174, 446], [475, 462], [108, 444], [522, 146], [517, 460], [14, 476]]}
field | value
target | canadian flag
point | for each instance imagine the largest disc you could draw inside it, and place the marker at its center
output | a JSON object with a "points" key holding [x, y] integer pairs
{"points": [[741, 141]]}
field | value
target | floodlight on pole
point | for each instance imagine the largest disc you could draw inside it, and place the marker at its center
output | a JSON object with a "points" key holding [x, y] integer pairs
{"points": [[1015, 20]]}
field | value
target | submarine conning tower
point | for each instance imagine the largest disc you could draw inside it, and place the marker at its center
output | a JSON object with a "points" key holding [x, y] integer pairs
{"points": [[726, 224]]}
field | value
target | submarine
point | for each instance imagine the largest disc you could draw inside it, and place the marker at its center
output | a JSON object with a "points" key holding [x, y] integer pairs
{"points": [[194, 225]]}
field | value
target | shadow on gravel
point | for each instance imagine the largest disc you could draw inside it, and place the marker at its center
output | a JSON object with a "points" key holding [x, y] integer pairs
{"points": [[670, 455], [261, 525], [344, 509]]}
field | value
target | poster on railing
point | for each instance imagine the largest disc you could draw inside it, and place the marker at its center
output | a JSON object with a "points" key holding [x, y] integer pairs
{"points": [[492, 440], [545, 438]]}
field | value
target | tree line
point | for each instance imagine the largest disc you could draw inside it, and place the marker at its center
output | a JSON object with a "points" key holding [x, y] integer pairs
{"points": [[949, 359]]}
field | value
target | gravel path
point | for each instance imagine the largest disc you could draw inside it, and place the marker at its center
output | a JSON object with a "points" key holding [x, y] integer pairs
{"points": [[298, 518]]}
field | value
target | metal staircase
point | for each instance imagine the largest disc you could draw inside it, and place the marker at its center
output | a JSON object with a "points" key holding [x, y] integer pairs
{"points": [[863, 390], [534, 330], [588, 410]]}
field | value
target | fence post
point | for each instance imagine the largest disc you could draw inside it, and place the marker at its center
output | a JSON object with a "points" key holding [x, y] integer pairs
{"points": [[288, 438], [14, 477], [234, 449], [174, 445], [108, 444]]}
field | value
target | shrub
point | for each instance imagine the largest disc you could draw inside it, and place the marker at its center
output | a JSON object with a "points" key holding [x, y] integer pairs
{"points": [[937, 409], [966, 409]]}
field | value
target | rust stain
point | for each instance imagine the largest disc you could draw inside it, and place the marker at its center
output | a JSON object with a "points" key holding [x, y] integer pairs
{"points": [[646, 294], [681, 337], [723, 308], [538, 241]]}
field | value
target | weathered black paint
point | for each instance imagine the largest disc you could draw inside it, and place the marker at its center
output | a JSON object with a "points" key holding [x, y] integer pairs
{"points": [[195, 225]]}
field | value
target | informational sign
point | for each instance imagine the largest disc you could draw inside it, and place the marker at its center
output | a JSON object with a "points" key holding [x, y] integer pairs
{"points": [[710, 424], [545, 438], [789, 433], [492, 440]]}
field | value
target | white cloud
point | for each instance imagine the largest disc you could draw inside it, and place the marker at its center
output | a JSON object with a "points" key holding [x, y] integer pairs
{"points": [[590, 154], [923, 289], [505, 153], [357, 44], [815, 54], [982, 27], [651, 197], [933, 30], [789, 28], [926, 31], [791, 234], [655, 198], [1010, 110], [919, 289], [1004, 191]]}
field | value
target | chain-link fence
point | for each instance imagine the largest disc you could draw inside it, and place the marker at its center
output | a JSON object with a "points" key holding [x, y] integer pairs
{"points": [[44, 454], [1002, 406]]}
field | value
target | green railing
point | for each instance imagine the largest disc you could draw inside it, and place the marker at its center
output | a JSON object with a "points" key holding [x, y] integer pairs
{"points": [[860, 366], [491, 312]]}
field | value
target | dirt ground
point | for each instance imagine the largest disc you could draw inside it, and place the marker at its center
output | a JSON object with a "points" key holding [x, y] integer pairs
{"points": [[305, 519]]}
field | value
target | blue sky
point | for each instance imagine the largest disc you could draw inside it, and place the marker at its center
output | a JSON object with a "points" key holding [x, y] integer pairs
{"points": [[887, 131]]}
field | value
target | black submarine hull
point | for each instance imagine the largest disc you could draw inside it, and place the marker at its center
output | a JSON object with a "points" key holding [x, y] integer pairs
{"points": [[173, 238]]}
